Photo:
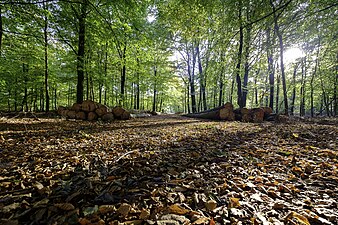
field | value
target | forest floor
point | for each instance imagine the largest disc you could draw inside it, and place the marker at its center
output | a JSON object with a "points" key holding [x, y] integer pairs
{"points": [[168, 170]]}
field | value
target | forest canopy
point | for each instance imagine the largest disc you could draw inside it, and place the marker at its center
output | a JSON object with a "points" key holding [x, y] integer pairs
{"points": [[170, 55]]}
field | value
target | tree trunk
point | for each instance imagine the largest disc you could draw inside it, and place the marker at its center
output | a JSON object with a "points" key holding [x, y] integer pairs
{"points": [[277, 94], [220, 98], [292, 109], [202, 79], [281, 49], [312, 79], [123, 74], [302, 89], [81, 51], [239, 58], [270, 68], [1, 29], [191, 73], [224, 112], [155, 91], [25, 97], [246, 66], [335, 107], [46, 59]]}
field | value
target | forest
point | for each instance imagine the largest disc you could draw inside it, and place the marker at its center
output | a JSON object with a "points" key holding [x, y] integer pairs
{"points": [[168, 112], [170, 56]]}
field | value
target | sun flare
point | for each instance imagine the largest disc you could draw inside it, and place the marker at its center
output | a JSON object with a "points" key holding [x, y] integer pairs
{"points": [[292, 54]]}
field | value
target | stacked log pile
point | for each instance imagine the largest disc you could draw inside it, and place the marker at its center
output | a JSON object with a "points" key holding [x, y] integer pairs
{"points": [[227, 112], [91, 111]]}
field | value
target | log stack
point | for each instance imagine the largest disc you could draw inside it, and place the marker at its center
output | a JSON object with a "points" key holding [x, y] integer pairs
{"points": [[92, 111], [224, 112], [227, 112]]}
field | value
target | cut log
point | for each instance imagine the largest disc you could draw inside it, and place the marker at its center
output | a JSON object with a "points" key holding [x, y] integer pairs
{"points": [[125, 115], [92, 116], [257, 115], [108, 117], [246, 115], [267, 111], [60, 110], [118, 111], [88, 106], [80, 115], [224, 112], [101, 110], [71, 114], [76, 107]]}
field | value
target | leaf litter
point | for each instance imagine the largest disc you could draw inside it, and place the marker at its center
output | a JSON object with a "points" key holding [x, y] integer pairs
{"points": [[168, 170]]}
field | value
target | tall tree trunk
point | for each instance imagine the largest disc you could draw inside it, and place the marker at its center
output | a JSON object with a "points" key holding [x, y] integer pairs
{"points": [[191, 73], [81, 51], [221, 84], [55, 99], [335, 107], [246, 66], [302, 89], [105, 73], [277, 93], [312, 79], [281, 49], [256, 92], [271, 71], [1, 29], [46, 58], [292, 109], [202, 79], [25, 97], [155, 91], [231, 90], [239, 58], [123, 75]]}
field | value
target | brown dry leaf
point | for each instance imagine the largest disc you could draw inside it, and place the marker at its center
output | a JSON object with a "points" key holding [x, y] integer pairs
{"points": [[211, 205], [295, 217], [177, 209], [65, 206], [124, 209], [234, 203]]}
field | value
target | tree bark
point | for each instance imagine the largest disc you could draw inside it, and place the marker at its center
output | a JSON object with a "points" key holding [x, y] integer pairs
{"points": [[312, 79], [1, 29], [239, 58], [46, 59], [123, 75], [81, 51], [246, 66], [281, 49], [270, 68], [155, 91], [292, 109], [336, 89], [202, 79], [302, 89]]}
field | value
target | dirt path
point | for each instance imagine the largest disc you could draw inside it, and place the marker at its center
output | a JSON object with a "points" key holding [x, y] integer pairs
{"points": [[167, 170]]}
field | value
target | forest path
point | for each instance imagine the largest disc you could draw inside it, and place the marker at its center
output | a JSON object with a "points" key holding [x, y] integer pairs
{"points": [[168, 168]]}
